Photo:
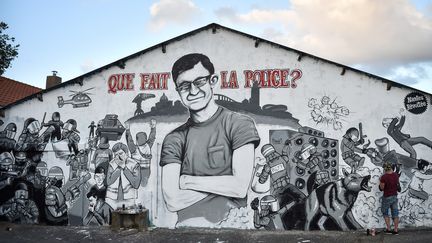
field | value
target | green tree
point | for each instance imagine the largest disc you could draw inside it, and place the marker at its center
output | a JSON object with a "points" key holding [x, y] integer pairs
{"points": [[8, 51]]}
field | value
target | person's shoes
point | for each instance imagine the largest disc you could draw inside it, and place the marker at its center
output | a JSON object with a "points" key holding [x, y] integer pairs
{"points": [[395, 232], [388, 232]]}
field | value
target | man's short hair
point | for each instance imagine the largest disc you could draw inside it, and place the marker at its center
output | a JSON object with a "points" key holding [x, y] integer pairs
{"points": [[99, 169], [188, 61], [387, 166], [119, 146], [97, 193]]}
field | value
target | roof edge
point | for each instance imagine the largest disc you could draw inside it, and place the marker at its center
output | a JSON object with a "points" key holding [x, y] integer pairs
{"points": [[22, 83], [213, 26]]}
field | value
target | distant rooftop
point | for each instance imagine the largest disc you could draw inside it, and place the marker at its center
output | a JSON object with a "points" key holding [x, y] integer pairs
{"points": [[12, 90]]}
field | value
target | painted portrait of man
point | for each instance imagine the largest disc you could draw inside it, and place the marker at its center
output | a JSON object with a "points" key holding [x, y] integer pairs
{"points": [[207, 163]]}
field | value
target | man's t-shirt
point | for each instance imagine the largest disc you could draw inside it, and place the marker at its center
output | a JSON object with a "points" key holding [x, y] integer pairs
{"points": [[390, 184], [206, 149]]}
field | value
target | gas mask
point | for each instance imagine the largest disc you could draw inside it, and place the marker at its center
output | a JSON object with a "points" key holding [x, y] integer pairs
{"points": [[21, 194], [43, 171]]}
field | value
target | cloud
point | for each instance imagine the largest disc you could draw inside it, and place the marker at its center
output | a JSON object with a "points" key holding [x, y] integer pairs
{"points": [[391, 39], [166, 12], [411, 74], [417, 75], [347, 31], [87, 66]]}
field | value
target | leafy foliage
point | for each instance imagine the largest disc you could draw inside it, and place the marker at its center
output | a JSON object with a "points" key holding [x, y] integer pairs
{"points": [[8, 51]]}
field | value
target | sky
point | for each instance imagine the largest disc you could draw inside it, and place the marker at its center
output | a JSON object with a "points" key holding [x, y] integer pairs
{"points": [[388, 38]]}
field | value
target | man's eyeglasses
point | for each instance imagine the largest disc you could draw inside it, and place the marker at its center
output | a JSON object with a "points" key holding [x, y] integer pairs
{"points": [[199, 82]]}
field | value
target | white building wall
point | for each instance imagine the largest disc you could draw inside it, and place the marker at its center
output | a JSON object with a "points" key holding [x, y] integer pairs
{"points": [[364, 98]]}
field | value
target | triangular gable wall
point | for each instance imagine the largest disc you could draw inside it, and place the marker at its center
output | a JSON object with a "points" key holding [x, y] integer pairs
{"points": [[305, 108]]}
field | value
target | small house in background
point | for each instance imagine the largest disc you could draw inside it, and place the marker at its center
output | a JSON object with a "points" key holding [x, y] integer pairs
{"points": [[12, 90]]}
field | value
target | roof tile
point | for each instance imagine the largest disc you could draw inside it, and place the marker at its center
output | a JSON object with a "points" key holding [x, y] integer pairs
{"points": [[11, 90]]}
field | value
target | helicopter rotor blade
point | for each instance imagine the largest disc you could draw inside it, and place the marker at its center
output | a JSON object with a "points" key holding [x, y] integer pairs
{"points": [[87, 89]]}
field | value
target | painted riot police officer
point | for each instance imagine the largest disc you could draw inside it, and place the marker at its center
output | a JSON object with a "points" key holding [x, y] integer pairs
{"points": [[270, 215], [20, 208], [7, 138], [29, 139], [276, 168]]}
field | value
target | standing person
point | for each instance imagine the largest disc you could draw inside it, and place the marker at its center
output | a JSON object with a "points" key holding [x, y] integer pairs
{"points": [[123, 177], [54, 128], [389, 184], [103, 154], [92, 128], [56, 204], [70, 133], [99, 212], [207, 163], [141, 151]]}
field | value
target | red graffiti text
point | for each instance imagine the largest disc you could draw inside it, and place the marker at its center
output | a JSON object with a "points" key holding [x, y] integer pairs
{"points": [[273, 78], [119, 82], [231, 83], [154, 81]]}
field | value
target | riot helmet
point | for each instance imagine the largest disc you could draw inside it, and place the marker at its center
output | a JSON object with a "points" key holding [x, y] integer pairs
{"points": [[6, 161], [56, 116], [20, 158], [55, 175], [270, 203], [70, 125], [42, 168], [307, 150], [10, 130]]}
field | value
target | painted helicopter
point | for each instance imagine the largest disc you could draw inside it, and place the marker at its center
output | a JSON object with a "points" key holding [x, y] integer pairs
{"points": [[79, 99]]}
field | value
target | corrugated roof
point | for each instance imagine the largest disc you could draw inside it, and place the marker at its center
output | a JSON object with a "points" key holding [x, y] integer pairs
{"points": [[12, 90]]}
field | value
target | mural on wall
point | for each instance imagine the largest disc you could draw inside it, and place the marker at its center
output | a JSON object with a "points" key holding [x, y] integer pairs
{"points": [[7, 138], [164, 110], [123, 176], [207, 162], [99, 212], [334, 201], [78, 99], [416, 103], [405, 141], [99, 177], [138, 100], [192, 155], [20, 208], [350, 149], [269, 113], [141, 151], [328, 112]]}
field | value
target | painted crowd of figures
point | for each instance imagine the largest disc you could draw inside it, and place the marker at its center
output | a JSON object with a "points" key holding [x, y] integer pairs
{"points": [[327, 201], [207, 163], [100, 177]]}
